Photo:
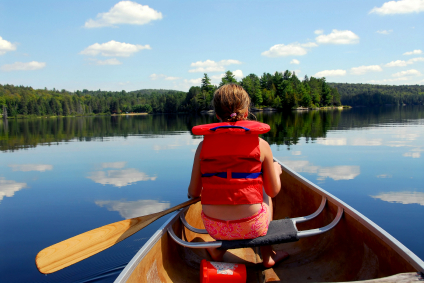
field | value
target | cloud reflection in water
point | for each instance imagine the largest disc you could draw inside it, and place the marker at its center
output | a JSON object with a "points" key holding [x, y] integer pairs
{"points": [[31, 167], [114, 165], [131, 209], [336, 172], [402, 197], [9, 187], [119, 178]]}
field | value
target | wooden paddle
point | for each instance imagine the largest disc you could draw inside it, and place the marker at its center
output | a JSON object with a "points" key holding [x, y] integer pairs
{"points": [[84, 245]]}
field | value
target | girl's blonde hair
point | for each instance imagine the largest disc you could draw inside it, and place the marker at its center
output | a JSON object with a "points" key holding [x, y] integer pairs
{"points": [[231, 102]]}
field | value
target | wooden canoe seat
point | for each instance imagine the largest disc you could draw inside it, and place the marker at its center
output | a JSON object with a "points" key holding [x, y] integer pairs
{"points": [[279, 231]]}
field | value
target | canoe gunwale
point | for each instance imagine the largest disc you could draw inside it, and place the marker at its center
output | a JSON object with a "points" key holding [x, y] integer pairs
{"points": [[145, 249], [402, 250]]}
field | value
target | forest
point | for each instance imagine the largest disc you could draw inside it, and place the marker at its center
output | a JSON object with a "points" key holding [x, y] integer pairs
{"points": [[378, 95], [278, 90]]}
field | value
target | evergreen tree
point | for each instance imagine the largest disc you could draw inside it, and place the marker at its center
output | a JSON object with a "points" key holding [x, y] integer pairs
{"points": [[228, 78]]}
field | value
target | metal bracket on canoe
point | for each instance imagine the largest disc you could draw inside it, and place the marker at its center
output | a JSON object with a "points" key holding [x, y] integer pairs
{"points": [[217, 244], [188, 226], [295, 220], [313, 215], [313, 232]]}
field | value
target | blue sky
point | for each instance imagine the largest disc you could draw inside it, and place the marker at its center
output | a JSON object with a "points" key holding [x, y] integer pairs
{"points": [[130, 45]]}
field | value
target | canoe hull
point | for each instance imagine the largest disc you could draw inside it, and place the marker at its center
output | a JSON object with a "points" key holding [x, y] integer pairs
{"points": [[355, 250]]}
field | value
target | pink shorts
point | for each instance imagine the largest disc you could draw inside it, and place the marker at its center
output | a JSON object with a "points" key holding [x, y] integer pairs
{"points": [[246, 228]]}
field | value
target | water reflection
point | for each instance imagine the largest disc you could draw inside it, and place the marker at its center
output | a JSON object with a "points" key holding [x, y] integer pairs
{"points": [[9, 187], [115, 165], [402, 197], [286, 128], [366, 142], [119, 178], [412, 154], [336, 173], [31, 167], [332, 141], [131, 209], [383, 176]]}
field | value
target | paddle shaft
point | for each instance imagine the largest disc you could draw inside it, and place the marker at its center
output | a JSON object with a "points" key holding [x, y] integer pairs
{"points": [[82, 246]]}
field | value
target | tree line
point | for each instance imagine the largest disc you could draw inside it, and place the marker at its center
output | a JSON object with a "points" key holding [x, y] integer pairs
{"points": [[378, 95], [278, 90]]}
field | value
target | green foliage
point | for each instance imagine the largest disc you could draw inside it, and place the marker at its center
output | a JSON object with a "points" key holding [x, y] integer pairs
{"points": [[375, 95], [142, 108], [280, 90], [228, 78]]}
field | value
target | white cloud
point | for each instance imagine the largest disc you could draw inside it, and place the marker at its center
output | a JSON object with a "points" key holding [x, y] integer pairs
{"points": [[296, 72], [31, 167], [187, 83], [309, 44], [125, 12], [330, 73], [172, 78], [411, 72], [400, 7], [20, 66], [216, 79], [295, 61], [397, 63], [415, 52], [413, 60], [336, 172], [131, 209], [9, 187], [280, 50], [331, 141], [384, 31], [238, 74], [114, 48], [385, 81], [112, 61], [119, 178], [338, 37], [114, 165], [6, 46], [319, 31], [402, 197], [365, 69], [154, 77], [212, 66], [296, 153]]}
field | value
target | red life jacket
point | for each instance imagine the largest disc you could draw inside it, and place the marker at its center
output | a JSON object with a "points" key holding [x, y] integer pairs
{"points": [[230, 162]]}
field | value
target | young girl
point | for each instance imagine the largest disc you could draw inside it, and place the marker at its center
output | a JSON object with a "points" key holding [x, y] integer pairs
{"points": [[232, 169]]}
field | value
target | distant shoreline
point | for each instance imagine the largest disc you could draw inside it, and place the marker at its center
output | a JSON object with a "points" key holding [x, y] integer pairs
{"points": [[129, 114]]}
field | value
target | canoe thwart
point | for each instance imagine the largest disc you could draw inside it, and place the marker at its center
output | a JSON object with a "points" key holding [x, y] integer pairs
{"points": [[188, 226], [313, 215], [313, 232], [279, 231]]}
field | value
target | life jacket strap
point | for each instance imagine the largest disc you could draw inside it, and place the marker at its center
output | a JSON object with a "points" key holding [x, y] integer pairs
{"points": [[234, 175], [229, 126]]}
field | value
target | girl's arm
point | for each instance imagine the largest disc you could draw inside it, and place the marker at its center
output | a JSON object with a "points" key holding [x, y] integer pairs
{"points": [[271, 170], [195, 187]]}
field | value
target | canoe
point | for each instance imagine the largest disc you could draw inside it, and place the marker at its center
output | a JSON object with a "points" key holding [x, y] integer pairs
{"points": [[356, 249]]}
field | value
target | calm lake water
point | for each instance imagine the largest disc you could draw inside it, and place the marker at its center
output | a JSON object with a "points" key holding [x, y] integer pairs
{"points": [[60, 177]]}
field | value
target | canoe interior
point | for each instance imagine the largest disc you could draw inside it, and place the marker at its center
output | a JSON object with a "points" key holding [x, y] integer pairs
{"points": [[349, 252]]}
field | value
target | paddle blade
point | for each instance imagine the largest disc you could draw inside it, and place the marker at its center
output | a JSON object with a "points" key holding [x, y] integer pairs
{"points": [[82, 246]]}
